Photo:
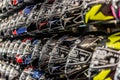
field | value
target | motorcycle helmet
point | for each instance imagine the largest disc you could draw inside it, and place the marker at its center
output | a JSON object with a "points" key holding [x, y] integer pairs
{"points": [[59, 55], [45, 52], [21, 49], [80, 55], [14, 50], [3, 70], [55, 15], [26, 55], [25, 13], [25, 73], [37, 47], [20, 52], [103, 64], [32, 18], [13, 20], [8, 69], [14, 73], [3, 46], [73, 14], [10, 49], [105, 59], [5, 50], [43, 17]]}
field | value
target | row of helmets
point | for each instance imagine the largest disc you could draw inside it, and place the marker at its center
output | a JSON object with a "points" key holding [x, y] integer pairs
{"points": [[91, 56], [7, 5], [60, 14]]}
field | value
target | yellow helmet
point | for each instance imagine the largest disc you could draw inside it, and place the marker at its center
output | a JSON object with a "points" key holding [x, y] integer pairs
{"points": [[114, 41], [99, 12]]}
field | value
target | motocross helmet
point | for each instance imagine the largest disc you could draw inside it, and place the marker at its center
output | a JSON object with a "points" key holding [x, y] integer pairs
{"points": [[25, 73], [10, 49], [55, 15], [59, 55], [8, 69], [5, 50], [43, 17], [31, 52], [73, 14], [3, 70], [80, 56], [37, 47], [32, 18], [3, 46], [105, 59], [14, 50], [27, 53], [13, 19], [20, 51], [14, 73], [24, 16], [46, 50]]}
